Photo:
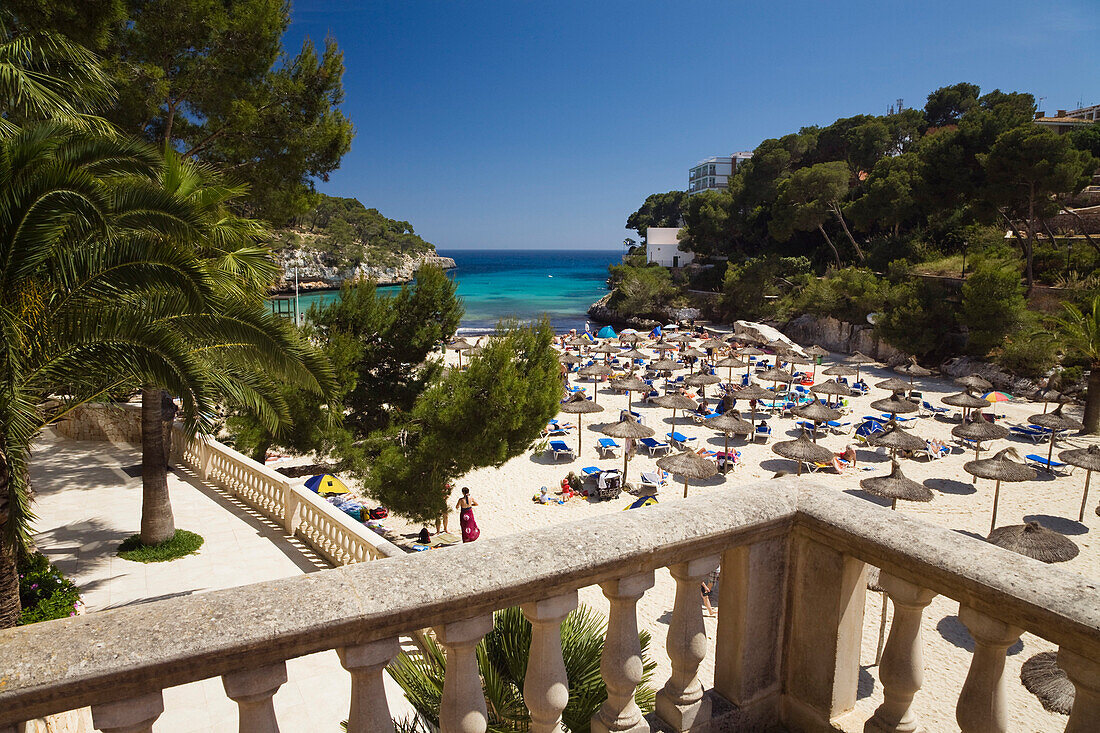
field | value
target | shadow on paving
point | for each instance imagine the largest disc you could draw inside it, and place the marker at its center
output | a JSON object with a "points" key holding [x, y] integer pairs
{"points": [[955, 632], [53, 471]]}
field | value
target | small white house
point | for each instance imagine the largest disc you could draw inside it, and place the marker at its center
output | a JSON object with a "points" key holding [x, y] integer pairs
{"points": [[663, 247]]}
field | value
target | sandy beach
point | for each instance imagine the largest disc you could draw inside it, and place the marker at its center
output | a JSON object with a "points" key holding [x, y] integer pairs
{"points": [[505, 506]]}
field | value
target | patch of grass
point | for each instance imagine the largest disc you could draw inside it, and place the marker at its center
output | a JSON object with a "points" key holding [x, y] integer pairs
{"points": [[183, 543], [944, 267]]}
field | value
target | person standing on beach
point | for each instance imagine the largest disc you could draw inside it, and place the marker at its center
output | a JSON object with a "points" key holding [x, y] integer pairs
{"points": [[466, 520]]}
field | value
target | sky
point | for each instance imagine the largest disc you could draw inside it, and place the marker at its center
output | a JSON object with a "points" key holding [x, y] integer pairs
{"points": [[544, 125]]}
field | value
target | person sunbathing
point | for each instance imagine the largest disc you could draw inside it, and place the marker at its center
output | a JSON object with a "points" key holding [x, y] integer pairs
{"points": [[845, 460]]}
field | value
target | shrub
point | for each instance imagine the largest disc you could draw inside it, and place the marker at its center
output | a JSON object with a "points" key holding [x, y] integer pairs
{"points": [[916, 316], [848, 295], [642, 291], [183, 543], [993, 305], [44, 591], [751, 289], [1030, 351]]}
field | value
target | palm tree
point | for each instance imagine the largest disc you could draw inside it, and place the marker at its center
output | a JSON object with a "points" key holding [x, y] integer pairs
{"points": [[502, 660], [89, 274], [245, 352], [1081, 330]]}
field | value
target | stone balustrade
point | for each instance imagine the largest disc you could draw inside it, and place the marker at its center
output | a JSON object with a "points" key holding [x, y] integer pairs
{"points": [[793, 556]]}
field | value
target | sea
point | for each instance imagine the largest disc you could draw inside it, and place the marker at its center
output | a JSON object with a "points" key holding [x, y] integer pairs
{"points": [[498, 284]]}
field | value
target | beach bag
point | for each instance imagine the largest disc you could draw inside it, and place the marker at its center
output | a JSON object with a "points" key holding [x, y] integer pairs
{"points": [[379, 513]]}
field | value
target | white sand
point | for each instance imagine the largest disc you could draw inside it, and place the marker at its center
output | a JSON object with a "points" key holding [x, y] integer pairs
{"points": [[504, 507]]}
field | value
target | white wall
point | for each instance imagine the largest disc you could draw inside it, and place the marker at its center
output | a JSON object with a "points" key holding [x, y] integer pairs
{"points": [[663, 247]]}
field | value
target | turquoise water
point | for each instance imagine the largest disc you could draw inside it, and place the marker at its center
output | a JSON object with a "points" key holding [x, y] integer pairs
{"points": [[523, 284]]}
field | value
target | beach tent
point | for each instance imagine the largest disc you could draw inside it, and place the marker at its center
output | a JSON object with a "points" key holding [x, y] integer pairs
{"points": [[655, 333], [607, 332], [326, 484], [641, 501]]}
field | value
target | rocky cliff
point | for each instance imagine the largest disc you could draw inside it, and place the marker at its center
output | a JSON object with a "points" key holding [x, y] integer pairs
{"points": [[842, 336], [315, 274], [602, 312]]}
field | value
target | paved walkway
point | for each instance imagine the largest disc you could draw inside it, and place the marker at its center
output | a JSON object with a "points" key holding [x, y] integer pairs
{"points": [[88, 500]]}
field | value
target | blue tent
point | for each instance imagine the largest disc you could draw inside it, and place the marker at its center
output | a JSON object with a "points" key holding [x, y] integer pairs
{"points": [[607, 332], [655, 333]]}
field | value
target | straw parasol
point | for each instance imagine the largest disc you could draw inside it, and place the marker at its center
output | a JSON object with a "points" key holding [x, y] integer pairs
{"points": [[689, 465], [751, 351], [754, 392], [979, 431], [1088, 459], [1046, 396], [1035, 541], [731, 363], [803, 450], [577, 341], [1000, 468], [893, 384], [626, 429], [974, 382], [859, 359], [712, 344], [729, 423], [966, 401], [571, 359], [665, 365], [701, 380], [894, 405], [1044, 679], [1055, 421], [839, 370], [831, 387], [630, 338], [817, 412], [595, 370], [694, 354], [896, 438], [459, 345], [579, 405], [607, 348], [816, 350], [680, 338], [675, 402], [632, 354], [912, 369], [630, 384]]}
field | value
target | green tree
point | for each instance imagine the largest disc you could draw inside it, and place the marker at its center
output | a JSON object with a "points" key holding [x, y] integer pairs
{"points": [[89, 278], [1087, 138], [88, 23], [658, 210], [480, 416], [751, 289], [502, 658], [707, 223], [1081, 330], [640, 290], [1026, 168], [888, 197], [806, 200], [993, 305], [947, 104], [916, 316], [211, 80]]}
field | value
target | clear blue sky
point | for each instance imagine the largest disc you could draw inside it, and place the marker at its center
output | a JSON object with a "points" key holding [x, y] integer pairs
{"points": [[543, 125]]}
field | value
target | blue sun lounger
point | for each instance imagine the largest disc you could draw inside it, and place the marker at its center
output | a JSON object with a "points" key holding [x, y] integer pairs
{"points": [[680, 440], [607, 447], [589, 472], [1030, 432], [653, 445], [559, 448], [763, 431], [1053, 466]]}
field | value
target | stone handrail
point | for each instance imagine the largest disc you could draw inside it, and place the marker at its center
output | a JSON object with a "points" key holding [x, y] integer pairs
{"points": [[332, 533], [793, 558]]}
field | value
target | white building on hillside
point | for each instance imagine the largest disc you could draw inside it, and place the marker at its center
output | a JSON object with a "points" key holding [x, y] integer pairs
{"points": [[714, 172], [662, 247]]}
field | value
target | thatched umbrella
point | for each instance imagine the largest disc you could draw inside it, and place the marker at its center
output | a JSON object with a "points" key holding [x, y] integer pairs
{"points": [[979, 431], [839, 370], [578, 342], [832, 388], [1035, 541], [632, 354], [860, 359], [974, 382], [730, 423], [459, 345], [666, 365], [754, 392], [1000, 468], [593, 371], [966, 401], [626, 429], [680, 338], [571, 359], [893, 384], [579, 405], [896, 438], [775, 375], [893, 486], [689, 465], [701, 380], [803, 450], [661, 346], [694, 354], [1088, 459], [894, 405], [1046, 396], [675, 402], [1054, 421], [751, 351], [817, 412], [731, 363], [816, 350], [607, 349], [713, 344], [1044, 679], [912, 369], [630, 384], [630, 338]]}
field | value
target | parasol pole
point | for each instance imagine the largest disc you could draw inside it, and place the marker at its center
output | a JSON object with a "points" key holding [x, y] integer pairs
{"points": [[1085, 497], [1050, 451], [685, 487], [996, 497]]}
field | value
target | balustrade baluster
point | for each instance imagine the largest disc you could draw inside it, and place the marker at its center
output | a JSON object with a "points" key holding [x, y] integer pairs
{"points": [[462, 708], [621, 664], [135, 715], [902, 668], [369, 709], [1084, 673], [546, 686], [982, 703], [252, 690], [680, 703]]}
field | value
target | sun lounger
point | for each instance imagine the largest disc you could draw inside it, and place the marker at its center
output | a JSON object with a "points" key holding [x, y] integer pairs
{"points": [[1053, 466], [589, 472], [607, 447], [680, 440], [559, 448], [701, 417], [929, 408], [733, 458], [935, 455], [653, 479], [763, 432], [653, 445], [1032, 433]]}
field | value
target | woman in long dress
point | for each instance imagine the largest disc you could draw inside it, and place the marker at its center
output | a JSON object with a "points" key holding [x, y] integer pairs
{"points": [[466, 520]]}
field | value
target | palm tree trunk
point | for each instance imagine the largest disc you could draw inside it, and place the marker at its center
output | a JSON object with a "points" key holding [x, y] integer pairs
{"points": [[1092, 401], [157, 522], [10, 607]]}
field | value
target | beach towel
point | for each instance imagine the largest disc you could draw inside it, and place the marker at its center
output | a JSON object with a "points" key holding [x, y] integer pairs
{"points": [[466, 520]]}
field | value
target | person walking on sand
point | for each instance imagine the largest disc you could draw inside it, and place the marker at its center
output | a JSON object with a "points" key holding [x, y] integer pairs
{"points": [[465, 507], [707, 587]]}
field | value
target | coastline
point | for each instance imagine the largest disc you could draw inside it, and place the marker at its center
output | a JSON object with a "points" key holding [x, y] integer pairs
{"points": [[320, 279]]}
